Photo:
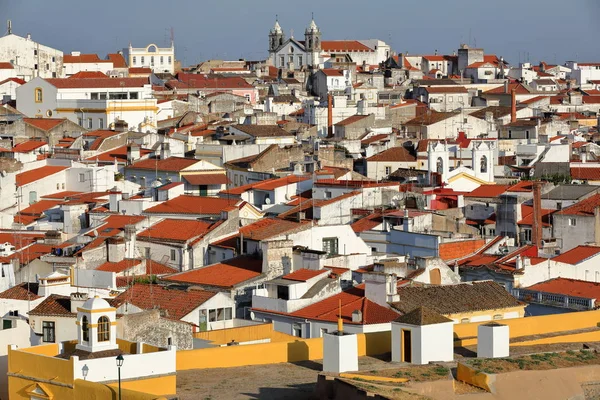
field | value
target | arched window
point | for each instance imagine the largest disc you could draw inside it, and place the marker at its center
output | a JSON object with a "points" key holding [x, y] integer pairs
{"points": [[39, 95], [85, 329], [440, 166], [103, 329], [483, 165]]}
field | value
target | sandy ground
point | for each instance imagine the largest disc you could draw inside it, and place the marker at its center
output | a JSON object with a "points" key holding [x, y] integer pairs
{"points": [[277, 381]]}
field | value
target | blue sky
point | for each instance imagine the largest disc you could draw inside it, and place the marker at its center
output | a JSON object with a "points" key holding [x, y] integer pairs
{"points": [[550, 30]]}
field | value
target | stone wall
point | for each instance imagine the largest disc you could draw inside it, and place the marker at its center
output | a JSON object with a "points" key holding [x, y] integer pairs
{"points": [[278, 157], [150, 327]]}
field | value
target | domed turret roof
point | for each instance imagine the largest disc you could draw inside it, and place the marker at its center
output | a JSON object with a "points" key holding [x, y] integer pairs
{"points": [[96, 303], [276, 28], [312, 27]]}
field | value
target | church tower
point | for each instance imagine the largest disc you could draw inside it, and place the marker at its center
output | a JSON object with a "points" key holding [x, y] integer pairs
{"points": [[483, 159], [312, 43], [276, 37], [438, 159]]}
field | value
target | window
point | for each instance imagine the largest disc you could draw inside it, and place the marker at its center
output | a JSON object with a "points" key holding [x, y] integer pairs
{"points": [[32, 197], [299, 60], [80, 122], [89, 123], [169, 341], [169, 59], [297, 330], [58, 186], [483, 165], [212, 315], [35, 52], [330, 245], [172, 254], [283, 292], [228, 313], [147, 252], [35, 66], [509, 134], [526, 134], [39, 95], [572, 222], [48, 332], [94, 96], [559, 206], [103, 329], [100, 123], [53, 59], [328, 194], [152, 60], [282, 61], [450, 100], [142, 59], [134, 60], [527, 235], [323, 331], [388, 170], [162, 60], [81, 177], [47, 67], [85, 329], [134, 95]]}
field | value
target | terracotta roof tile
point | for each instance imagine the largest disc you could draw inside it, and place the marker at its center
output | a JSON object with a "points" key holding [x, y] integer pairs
{"points": [[186, 204], [119, 153], [422, 316], [54, 305], [459, 249], [22, 291], [70, 83], [586, 174], [28, 146], [351, 120], [302, 275], [583, 208], [178, 303], [263, 130], [569, 287], [175, 230], [267, 228], [227, 274], [206, 179], [488, 191], [279, 182], [88, 75], [33, 175], [6, 65], [44, 124], [577, 255], [120, 266], [430, 118], [171, 164], [118, 60], [344, 46]]}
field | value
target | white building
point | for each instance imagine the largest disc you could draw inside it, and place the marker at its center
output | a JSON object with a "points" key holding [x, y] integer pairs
{"points": [[158, 59], [96, 103], [30, 59], [584, 73], [77, 62]]}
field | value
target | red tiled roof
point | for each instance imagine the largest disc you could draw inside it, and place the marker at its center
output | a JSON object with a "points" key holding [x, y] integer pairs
{"points": [[186, 204], [367, 223], [40, 206], [88, 75], [175, 230], [118, 60], [30, 145], [446, 89], [271, 227], [586, 174], [120, 154], [577, 255], [171, 164], [22, 291], [302, 275], [332, 72], [488, 191], [459, 249], [33, 175], [527, 216], [199, 81], [83, 58], [430, 118], [140, 70], [352, 300], [115, 222], [169, 186], [342, 46], [206, 179], [351, 120], [395, 154], [569, 287], [156, 268], [279, 182], [521, 186], [375, 138], [227, 274], [178, 303], [44, 124], [584, 207], [16, 80], [520, 89], [6, 65], [54, 305], [120, 266], [70, 83]]}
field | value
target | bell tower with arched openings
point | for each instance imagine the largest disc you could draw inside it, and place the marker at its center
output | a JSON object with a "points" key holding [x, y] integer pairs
{"points": [[438, 158], [312, 43], [482, 154], [97, 326]]}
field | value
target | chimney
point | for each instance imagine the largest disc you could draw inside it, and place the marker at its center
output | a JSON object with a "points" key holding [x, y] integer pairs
{"points": [[364, 66], [77, 300], [583, 156], [506, 87], [329, 115], [113, 200], [116, 249], [381, 288], [407, 222], [133, 153], [597, 226], [536, 229], [357, 316], [513, 109], [165, 150], [519, 263], [130, 241]]}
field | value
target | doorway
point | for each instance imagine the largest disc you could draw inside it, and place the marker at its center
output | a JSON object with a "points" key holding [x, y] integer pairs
{"points": [[406, 346]]}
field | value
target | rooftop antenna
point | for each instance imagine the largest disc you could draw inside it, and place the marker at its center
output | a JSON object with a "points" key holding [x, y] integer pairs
{"points": [[172, 37], [9, 26], [340, 322]]}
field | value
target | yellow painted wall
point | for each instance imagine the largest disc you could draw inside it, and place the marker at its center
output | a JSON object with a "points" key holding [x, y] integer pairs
{"points": [[574, 338], [148, 348], [162, 386], [273, 353], [472, 377], [244, 334], [17, 389], [127, 347], [92, 390], [46, 349], [40, 366], [466, 334]]}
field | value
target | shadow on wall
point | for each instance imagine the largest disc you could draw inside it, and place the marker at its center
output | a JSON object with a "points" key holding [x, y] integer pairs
{"points": [[297, 351]]}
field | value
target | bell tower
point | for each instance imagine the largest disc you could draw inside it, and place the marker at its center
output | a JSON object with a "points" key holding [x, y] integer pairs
{"points": [[276, 37], [312, 42]]}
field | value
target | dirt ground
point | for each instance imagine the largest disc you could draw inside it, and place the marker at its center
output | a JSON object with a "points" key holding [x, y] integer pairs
{"points": [[276, 381]]}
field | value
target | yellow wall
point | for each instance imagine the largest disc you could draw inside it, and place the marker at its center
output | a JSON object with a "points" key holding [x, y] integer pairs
{"points": [[272, 353], [466, 334], [573, 338], [164, 385], [46, 349], [40, 366], [148, 348], [244, 334], [17, 389], [472, 377], [92, 390]]}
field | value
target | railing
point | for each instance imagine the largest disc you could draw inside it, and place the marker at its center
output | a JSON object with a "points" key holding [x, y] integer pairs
{"points": [[554, 299]]}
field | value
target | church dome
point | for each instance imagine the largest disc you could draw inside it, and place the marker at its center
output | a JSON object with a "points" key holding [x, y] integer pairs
{"points": [[96, 303]]}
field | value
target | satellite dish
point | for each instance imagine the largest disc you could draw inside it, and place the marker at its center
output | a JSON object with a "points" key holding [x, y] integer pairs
{"points": [[267, 200]]}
